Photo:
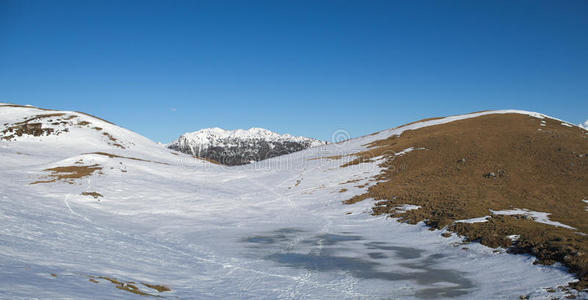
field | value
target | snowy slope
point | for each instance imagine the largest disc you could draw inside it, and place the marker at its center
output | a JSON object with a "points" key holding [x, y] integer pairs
{"points": [[237, 147], [275, 229]]}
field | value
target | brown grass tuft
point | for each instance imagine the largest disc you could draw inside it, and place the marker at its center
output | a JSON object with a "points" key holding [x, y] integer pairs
{"points": [[69, 173], [159, 288], [131, 286], [96, 195], [113, 140]]}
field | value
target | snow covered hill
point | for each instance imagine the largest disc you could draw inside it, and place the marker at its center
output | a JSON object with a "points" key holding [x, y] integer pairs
{"points": [[89, 210], [238, 147]]}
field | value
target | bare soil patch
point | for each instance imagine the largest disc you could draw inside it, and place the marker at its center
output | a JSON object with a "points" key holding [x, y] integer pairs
{"points": [[96, 195], [30, 126], [491, 162], [69, 173], [113, 140], [131, 286]]}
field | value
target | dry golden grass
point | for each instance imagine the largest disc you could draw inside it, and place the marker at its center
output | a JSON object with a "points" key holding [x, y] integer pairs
{"points": [[69, 173], [540, 168], [157, 287], [96, 195], [126, 286], [131, 286], [113, 140]]}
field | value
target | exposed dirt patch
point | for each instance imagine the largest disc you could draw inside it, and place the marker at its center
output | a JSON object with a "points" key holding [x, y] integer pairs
{"points": [[131, 286], [159, 288], [497, 162], [351, 181], [69, 173], [30, 126], [96, 195], [113, 140]]}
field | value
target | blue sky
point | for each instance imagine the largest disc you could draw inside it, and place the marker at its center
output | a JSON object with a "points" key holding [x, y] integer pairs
{"points": [[308, 68]]}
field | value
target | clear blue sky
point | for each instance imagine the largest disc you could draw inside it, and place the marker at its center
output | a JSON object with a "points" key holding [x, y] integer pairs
{"points": [[162, 68]]}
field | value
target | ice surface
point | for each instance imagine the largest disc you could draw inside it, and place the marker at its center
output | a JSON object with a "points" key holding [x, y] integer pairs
{"points": [[540, 217]]}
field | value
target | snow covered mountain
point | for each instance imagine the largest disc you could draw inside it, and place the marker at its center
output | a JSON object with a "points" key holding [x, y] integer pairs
{"points": [[238, 147], [89, 210]]}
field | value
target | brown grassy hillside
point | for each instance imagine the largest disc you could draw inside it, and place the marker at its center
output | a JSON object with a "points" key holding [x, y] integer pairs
{"points": [[493, 162]]}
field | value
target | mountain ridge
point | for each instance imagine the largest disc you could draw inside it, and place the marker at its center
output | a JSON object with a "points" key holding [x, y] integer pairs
{"points": [[240, 146]]}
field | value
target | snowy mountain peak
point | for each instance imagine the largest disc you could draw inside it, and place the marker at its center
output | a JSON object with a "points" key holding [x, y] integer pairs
{"points": [[240, 146], [207, 134]]}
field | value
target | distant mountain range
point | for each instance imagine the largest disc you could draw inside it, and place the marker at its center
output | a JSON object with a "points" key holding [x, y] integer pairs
{"points": [[238, 147]]}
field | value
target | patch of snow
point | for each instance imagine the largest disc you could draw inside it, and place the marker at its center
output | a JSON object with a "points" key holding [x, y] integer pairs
{"points": [[514, 237], [539, 217], [407, 150], [474, 220], [406, 207], [584, 125], [586, 201], [567, 125]]}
